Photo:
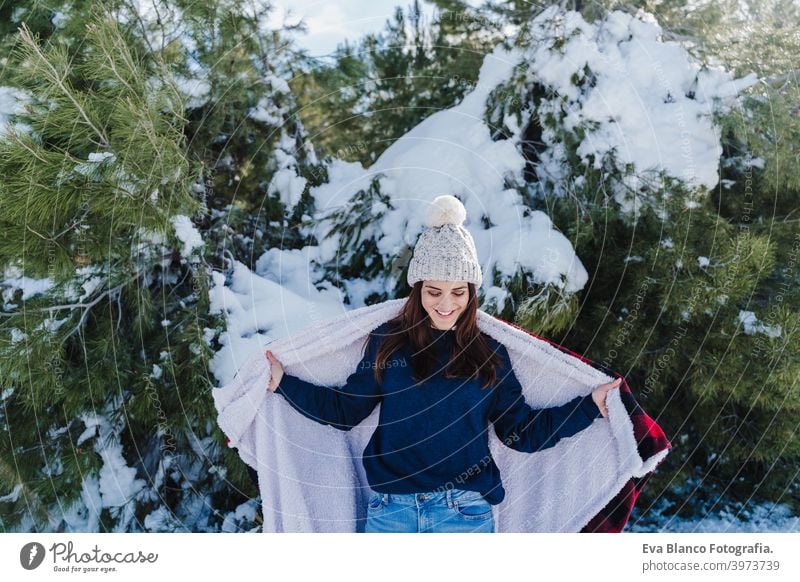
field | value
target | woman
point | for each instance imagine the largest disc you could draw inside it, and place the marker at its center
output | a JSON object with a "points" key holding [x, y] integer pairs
{"points": [[440, 382]]}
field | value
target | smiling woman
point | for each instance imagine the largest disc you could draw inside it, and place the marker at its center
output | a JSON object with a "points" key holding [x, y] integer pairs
{"points": [[444, 301], [428, 462]]}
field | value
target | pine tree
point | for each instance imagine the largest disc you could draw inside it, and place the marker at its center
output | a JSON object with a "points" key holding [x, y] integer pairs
{"points": [[757, 194], [135, 173], [86, 194]]}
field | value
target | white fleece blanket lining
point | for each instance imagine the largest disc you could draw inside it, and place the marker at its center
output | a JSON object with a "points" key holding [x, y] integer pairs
{"points": [[311, 478]]}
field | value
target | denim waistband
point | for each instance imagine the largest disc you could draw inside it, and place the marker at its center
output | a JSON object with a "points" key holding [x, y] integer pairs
{"points": [[422, 497]]}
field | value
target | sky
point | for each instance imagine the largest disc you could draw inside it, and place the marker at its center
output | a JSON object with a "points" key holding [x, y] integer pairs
{"points": [[330, 22]]}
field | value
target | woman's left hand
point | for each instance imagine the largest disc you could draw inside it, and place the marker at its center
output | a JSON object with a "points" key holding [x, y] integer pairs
{"points": [[600, 393]]}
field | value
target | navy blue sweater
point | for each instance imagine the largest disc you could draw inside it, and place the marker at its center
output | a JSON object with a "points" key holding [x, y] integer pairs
{"points": [[434, 435]]}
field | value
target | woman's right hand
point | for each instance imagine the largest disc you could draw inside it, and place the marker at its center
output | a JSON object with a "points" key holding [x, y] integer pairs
{"points": [[600, 394], [276, 372]]}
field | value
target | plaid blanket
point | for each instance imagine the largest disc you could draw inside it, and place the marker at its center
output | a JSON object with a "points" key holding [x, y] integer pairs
{"points": [[311, 478], [650, 441]]}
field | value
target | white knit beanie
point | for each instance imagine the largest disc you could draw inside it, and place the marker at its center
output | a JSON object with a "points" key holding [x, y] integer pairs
{"points": [[445, 250]]}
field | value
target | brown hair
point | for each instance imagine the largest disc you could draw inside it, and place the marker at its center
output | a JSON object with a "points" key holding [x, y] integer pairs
{"points": [[471, 355]]}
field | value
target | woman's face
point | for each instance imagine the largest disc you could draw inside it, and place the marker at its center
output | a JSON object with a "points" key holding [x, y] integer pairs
{"points": [[444, 301]]}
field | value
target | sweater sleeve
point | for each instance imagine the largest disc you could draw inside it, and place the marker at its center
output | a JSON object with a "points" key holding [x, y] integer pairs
{"points": [[341, 407], [528, 430]]}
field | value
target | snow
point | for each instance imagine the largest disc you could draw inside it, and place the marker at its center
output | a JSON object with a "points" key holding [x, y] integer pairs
{"points": [[752, 517], [152, 248], [286, 182], [290, 269], [12, 102], [157, 371], [258, 310], [95, 161], [17, 13], [90, 286], [159, 520], [59, 19], [278, 84], [84, 514], [208, 335], [649, 113], [13, 280], [17, 335], [274, 112], [289, 185], [118, 484], [752, 325], [244, 513], [188, 235], [496, 297], [650, 108], [13, 496], [101, 156], [267, 110], [89, 432], [117, 481], [51, 324], [87, 281], [195, 91], [703, 262], [53, 465]]}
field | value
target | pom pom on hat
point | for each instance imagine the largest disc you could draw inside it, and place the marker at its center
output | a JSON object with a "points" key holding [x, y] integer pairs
{"points": [[446, 209]]}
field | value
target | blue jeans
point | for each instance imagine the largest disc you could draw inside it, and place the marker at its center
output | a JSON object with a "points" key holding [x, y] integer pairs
{"points": [[449, 511]]}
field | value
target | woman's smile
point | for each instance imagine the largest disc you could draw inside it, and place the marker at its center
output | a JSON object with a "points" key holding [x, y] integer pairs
{"points": [[444, 301]]}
